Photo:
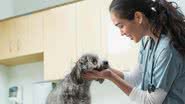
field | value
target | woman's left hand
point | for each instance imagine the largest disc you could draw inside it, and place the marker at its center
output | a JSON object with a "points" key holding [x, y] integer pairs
{"points": [[94, 74]]}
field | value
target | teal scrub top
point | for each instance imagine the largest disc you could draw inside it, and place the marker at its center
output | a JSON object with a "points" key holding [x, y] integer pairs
{"points": [[168, 68]]}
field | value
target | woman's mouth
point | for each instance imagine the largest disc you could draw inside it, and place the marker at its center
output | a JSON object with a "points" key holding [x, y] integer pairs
{"points": [[129, 36]]}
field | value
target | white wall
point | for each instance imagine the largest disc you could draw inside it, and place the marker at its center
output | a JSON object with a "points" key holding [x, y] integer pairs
{"points": [[3, 84], [26, 6], [6, 8], [25, 75], [107, 93], [11, 8]]}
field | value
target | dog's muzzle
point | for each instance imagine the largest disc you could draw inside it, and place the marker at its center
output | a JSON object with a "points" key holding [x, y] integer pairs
{"points": [[104, 66]]}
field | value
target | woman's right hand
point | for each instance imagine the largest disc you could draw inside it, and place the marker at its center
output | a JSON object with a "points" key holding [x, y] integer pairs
{"points": [[117, 72], [94, 74]]}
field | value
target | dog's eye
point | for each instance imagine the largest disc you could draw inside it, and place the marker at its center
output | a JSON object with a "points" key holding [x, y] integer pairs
{"points": [[94, 61]]}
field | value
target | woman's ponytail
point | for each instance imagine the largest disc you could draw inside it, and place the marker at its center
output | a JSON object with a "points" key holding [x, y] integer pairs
{"points": [[172, 23]]}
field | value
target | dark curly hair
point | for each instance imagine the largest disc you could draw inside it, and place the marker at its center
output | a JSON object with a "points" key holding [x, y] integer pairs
{"points": [[165, 17]]}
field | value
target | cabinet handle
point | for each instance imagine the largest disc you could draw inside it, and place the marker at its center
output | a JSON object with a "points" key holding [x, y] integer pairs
{"points": [[18, 44], [10, 46]]}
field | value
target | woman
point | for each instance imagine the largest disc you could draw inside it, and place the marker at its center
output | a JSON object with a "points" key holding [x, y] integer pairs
{"points": [[160, 74]]}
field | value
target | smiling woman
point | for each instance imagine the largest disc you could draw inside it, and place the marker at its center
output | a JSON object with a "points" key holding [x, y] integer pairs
{"points": [[159, 27]]}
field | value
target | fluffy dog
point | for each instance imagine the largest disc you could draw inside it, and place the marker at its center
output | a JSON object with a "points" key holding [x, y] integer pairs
{"points": [[73, 89]]}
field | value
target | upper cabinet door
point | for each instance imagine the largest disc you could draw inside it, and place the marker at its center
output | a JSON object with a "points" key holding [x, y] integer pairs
{"points": [[21, 35], [29, 34], [4, 42], [60, 41], [21, 40], [89, 38], [8, 45], [35, 42]]}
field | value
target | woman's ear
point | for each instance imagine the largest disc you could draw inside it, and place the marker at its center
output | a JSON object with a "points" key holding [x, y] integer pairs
{"points": [[138, 17]]}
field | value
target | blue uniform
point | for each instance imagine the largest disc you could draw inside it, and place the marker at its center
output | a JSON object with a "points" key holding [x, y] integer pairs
{"points": [[168, 69]]}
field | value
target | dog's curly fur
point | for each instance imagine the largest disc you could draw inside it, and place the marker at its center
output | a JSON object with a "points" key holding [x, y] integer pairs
{"points": [[73, 89]]}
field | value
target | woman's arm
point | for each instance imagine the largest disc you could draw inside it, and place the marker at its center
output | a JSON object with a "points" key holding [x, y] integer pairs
{"points": [[133, 77], [119, 73], [110, 75], [122, 84], [116, 76], [144, 97], [136, 95]]}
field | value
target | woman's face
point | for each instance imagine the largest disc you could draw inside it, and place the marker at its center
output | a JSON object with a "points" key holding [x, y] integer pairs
{"points": [[130, 28]]}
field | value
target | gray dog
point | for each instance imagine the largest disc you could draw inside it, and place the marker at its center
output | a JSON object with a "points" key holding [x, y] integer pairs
{"points": [[73, 89]]}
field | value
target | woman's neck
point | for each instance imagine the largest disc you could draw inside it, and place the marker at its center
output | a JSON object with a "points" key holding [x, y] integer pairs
{"points": [[148, 31]]}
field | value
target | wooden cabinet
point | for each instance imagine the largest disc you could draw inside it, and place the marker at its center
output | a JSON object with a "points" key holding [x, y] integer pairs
{"points": [[71, 31], [4, 43], [35, 40], [20, 38], [7, 43], [89, 37], [20, 35], [60, 41], [29, 34]]}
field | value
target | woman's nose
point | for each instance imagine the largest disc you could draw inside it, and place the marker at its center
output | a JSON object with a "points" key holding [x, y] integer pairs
{"points": [[122, 32]]}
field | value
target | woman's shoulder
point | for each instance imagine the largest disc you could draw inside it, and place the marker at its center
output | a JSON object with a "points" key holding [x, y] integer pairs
{"points": [[165, 48], [167, 51], [164, 42]]}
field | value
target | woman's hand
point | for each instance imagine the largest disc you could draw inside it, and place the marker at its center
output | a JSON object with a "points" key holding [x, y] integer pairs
{"points": [[94, 74]]}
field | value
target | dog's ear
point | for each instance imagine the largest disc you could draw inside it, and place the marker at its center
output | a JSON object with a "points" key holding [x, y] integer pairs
{"points": [[76, 75]]}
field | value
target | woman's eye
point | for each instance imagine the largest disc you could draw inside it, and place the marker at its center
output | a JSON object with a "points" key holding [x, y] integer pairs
{"points": [[121, 26]]}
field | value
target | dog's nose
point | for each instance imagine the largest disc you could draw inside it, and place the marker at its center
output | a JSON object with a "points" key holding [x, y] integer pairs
{"points": [[105, 62]]}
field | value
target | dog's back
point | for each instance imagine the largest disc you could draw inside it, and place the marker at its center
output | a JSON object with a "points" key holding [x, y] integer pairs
{"points": [[67, 92], [55, 96]]}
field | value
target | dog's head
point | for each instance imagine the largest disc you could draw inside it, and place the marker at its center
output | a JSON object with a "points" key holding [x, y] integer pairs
{"points": [[86, 63]]}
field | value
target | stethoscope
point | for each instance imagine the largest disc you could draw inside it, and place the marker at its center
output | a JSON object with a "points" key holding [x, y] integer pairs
{"points": [[151, 86]]}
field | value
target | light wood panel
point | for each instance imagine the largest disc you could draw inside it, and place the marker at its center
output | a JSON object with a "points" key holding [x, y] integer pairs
{"points": [[4, 43], [21, 36], [89, 27], [60, 41]]}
